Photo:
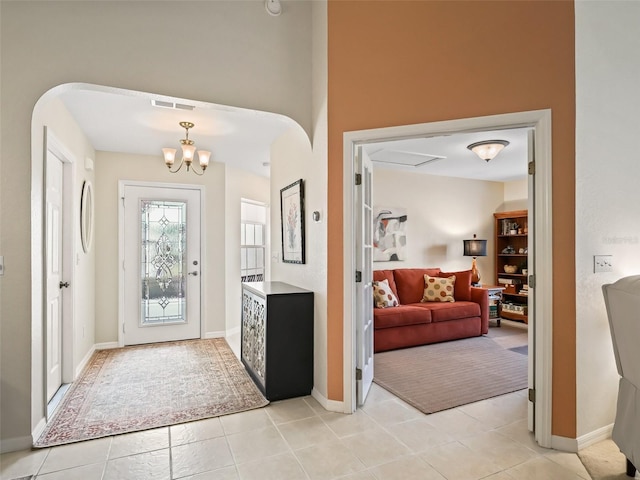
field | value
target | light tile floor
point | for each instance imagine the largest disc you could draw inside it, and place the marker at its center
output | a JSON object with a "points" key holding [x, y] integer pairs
{"points": [[298, 439]]}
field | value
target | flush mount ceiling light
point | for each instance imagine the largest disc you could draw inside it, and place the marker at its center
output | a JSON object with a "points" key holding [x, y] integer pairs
{"points": [[188, 151], [488, 149], [273, 7]]}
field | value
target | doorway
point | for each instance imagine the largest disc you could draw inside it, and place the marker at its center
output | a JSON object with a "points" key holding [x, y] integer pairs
{"points": [[160, 240], [58, 261], [540, 122]]}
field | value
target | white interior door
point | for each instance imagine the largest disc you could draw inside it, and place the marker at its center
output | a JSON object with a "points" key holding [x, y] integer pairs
{"points": [[54, 263], [162, 270], [531, 303], [364, 265]]}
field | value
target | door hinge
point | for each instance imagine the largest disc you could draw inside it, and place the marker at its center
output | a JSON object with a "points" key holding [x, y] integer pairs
{"points": [[123, 328], [532, 395], [358, 179], [532, 281], [122, 201], [358, 374], [358, 276], [532, 168]]}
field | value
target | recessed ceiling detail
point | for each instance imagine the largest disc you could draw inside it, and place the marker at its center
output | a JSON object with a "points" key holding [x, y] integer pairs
{"points": [[404, 158]]}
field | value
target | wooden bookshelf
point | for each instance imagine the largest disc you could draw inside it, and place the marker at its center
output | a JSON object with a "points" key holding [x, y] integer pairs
{"points": [[511, 248]]}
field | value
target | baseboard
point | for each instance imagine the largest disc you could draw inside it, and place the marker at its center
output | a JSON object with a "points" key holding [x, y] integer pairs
{"points": [[594, 437], [233, 331], [329, 405], [84, 361], [106, 345], [14, 444], [564, 444], [218, 334]]}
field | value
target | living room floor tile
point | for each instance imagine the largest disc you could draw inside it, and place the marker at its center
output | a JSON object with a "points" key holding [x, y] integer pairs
{"points": [[502, 450], [407, 468], [375, 447], [391, 412], [458, 462]]}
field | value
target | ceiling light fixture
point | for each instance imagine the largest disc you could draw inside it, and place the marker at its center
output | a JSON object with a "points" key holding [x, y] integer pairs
{"points": [[188, 151], [488, 149]]}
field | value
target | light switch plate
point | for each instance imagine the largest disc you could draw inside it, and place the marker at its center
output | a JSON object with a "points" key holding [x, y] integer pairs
{"points": [[602, 263]]}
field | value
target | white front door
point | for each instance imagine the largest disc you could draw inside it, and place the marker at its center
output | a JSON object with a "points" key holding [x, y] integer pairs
{"points": [[54, 263], [162, 270], [364, 265]]}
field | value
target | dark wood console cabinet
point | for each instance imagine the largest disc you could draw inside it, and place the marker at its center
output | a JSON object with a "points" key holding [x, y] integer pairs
{"points": [[277, 338]]}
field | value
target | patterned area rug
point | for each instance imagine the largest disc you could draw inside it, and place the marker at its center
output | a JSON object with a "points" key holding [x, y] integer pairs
{"points": [[136, 388], [449, 374]]}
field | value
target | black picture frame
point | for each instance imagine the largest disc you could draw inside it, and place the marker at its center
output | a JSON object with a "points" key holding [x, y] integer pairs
{"points": [[292, 222]]}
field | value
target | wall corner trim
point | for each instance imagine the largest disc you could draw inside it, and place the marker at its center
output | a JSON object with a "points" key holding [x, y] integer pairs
{"points": [[564, 444], [329, 405], [83, 363]]}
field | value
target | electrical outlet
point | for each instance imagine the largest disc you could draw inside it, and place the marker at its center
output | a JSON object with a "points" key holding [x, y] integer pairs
{"points": [[602, 263]]}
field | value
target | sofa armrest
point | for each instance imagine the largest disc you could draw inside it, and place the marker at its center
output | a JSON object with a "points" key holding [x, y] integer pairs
{"points": [[481, 297]]}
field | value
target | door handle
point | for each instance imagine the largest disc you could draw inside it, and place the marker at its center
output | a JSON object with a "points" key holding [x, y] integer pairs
{"points": [[64, 284], [195, 274]]}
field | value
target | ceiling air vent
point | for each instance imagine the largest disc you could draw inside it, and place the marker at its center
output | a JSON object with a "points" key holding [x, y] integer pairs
{"points": [[172, 105]]}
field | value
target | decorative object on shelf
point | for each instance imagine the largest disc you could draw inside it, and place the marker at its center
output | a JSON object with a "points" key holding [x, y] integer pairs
{"points": [[292, 220], [510, 269], [508, 249], [188, 152], [488, 149], [475, 248], [389, 234]]}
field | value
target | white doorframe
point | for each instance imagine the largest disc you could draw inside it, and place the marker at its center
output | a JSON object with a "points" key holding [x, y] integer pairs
{"points": [[540, 120], [69, 235], [121, 239]]}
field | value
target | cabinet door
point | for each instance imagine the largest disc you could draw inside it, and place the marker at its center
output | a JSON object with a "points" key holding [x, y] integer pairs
{"points": [[254, 321]]}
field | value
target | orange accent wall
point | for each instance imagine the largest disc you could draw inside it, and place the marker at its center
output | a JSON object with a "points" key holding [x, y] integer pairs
{"points": [[405, 62]]}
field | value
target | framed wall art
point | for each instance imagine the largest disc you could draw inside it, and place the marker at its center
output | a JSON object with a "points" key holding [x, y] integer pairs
{"points": [[292, 220]]}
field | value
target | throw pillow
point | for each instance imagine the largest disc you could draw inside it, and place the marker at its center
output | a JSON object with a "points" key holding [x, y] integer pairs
{"points": [[383, 297], [439, 289]]}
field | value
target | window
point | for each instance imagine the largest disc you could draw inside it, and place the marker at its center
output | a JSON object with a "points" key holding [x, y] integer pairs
{"points": [[253, 241]]}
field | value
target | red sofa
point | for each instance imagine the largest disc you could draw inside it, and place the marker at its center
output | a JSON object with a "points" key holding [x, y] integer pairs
{"points": [[415, 323]]}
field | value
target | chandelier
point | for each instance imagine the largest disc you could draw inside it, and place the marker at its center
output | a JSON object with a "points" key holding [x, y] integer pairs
{"points": [[188, 152]]}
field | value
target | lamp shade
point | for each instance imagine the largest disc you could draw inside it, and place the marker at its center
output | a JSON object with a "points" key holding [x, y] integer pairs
{"points": [[475, 248]]}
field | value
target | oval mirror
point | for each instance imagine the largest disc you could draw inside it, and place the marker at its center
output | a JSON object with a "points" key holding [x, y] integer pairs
{"points": [[86, 215]]}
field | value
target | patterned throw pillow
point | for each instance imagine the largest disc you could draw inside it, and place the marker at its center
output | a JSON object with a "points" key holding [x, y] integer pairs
{"points": [[438, 289], [383, 297]]}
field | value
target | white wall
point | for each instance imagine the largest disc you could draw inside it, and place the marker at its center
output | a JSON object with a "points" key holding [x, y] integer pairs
{"points": [[61, 124], [441, 212], [291, 160], [112, 167], [516, 194], [607, 193], [241, 56]]}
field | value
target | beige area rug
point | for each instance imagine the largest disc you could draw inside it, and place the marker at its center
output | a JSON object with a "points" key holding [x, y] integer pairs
{"points": [[446, 375], [604, 461], [136, 388]]}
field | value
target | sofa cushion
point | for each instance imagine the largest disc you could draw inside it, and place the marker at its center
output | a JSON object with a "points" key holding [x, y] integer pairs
{"points": [[383, 297], [442, 312], [462, 290], [410, 283], [387, 275], [399, 316], [438, 289]]}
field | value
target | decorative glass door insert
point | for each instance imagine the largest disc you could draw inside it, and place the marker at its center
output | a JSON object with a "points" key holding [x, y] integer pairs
{"points": [[163, 262]]}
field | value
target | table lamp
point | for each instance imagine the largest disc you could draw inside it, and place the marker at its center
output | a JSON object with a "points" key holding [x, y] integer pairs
{"points": [[475, 248]]}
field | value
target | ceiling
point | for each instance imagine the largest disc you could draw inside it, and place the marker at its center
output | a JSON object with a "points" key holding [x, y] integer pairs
{"points": [[448, 155], [124, 121], [127, 122]]}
